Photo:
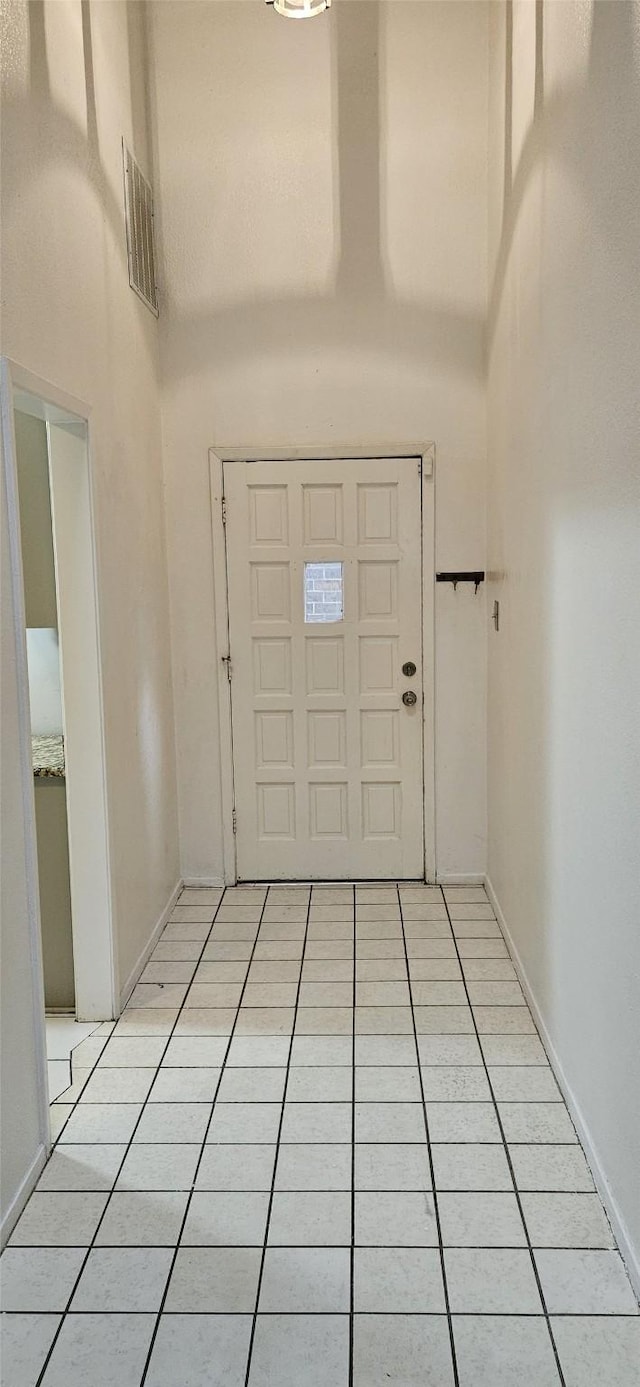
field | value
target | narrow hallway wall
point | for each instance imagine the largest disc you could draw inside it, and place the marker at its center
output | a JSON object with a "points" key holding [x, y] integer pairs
{"points": [[323, 218], [74, 83], [564, 548], [21, 1003]]}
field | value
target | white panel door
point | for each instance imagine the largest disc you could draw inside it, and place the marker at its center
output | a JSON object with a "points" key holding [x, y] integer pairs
{"points": [[324, 564]]}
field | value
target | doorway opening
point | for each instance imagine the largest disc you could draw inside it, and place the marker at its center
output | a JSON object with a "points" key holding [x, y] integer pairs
{"points": [[47, 461]]}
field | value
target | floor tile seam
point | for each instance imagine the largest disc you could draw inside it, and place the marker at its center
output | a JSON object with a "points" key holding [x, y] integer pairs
{"points": [[127, 1145], [366, 1007], [358, 1246], [319, 1035], [371, 1314], [547, 1191], [512, 1172], [275, 1164], [202, 1148], [354, 985], [443, 1271], [366, 1141]]}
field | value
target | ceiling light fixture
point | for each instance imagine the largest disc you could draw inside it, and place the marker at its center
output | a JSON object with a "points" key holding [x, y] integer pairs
{"points": [[299, 9]]}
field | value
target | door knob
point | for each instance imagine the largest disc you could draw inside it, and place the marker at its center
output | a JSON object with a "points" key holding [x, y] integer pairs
{"points": [[409, 669], [409, 698]]}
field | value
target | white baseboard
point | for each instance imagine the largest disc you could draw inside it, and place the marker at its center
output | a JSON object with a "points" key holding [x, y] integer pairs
{"points": [[630, 1255], [127, 989], [203, 882], [10, 1218], [460, 878]]}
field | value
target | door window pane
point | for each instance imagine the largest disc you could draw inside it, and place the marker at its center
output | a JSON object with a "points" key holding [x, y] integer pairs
{"points": [[323, 592]]}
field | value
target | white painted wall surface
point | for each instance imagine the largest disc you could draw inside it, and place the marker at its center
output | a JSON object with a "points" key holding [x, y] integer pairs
{"points": [[323, 214], [45, 699], [74, 82], [564, 549], [22, 999]]}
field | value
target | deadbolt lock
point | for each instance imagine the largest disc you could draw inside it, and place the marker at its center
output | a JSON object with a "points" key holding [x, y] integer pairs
{"points": [[409, 698], [409, 669]]}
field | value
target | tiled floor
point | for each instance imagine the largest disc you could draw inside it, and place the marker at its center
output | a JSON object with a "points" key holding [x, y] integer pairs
{"points": [[64, 1035], [283, 1171]]}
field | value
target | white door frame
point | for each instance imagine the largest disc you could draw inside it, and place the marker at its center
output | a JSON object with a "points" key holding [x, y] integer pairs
{"points": [[94, 939], [423, 453]]}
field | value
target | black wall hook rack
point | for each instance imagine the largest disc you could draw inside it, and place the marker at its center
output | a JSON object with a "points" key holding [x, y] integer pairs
{"points": [[475, 576]]}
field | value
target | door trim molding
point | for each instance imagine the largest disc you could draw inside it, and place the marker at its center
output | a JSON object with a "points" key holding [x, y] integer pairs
{"points": [[425, 454], [221, 649], [428, 660], [93, 931], [318, 452]]}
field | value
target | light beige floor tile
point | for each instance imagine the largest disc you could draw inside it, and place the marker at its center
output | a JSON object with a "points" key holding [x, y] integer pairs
{"points": [[539, 1167], [214, 1346], [480, 1220], [214, 1280], [531, 1122], [171, 1166], [600, 1349], [143, 1218], [393, 1166], [229, 1167], [566, 1220], [414, 1350], [123, 1279], [100, 1349], [291, 1349], [59, 1220], [314, 1167], [34, 1279], [299, 1280], [584, 1282], [461, 1122], [392, 1084], [470, 1166], [310, 1218], [502, 1350], [395, 1218], [404, 1280], [83, 1167], [491, 1281], [223, 1218]]}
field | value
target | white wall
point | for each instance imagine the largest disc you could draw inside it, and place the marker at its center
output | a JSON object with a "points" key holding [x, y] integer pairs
{"points": [[45, 697], [22, 1000], [38, 565], [564, 548], [74, 84], [323, 213]]}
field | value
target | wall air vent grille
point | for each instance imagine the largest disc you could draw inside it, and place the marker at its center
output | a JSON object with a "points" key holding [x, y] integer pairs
{"points": [[138, 202]]}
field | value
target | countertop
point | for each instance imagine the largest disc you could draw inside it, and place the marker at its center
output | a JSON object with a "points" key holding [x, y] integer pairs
{"points": [[48, 757]]}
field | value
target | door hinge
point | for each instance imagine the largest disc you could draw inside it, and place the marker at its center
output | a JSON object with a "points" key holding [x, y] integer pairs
{"points": [[223, 506], [226, 660], [234, 821]]}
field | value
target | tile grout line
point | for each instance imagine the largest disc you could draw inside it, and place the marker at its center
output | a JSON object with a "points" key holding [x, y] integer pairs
{"points": [[612, 1315], [111, 1192], [501, 1247], [59, 1101], [254, 1321], [508, 1156], [485, 1063], [454, 1363], [204, 1140], [298, 1011], [217, 1189], [352, 1250]]}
